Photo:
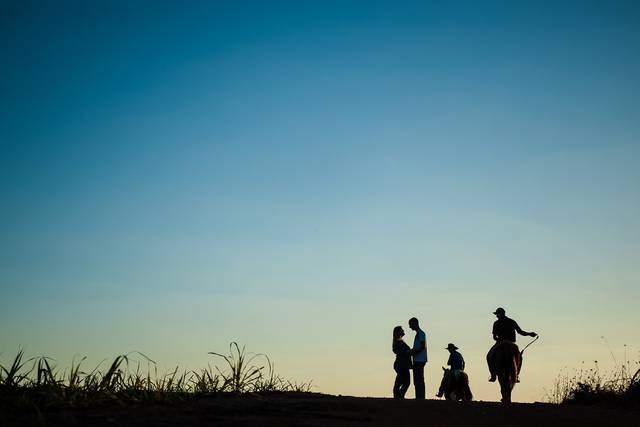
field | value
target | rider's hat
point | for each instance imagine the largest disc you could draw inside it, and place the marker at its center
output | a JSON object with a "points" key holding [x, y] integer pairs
{"points": [[451, 347], [499, 310]]}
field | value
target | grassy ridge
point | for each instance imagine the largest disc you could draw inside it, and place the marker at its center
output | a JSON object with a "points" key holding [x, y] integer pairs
{"points": [[133, 377], [591, 386]]}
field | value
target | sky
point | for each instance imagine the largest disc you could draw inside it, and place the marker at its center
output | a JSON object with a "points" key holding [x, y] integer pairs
{"points": [[301, 177]]}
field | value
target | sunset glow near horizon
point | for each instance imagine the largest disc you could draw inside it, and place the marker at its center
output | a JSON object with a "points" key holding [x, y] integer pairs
{"points": [[301, 177]]}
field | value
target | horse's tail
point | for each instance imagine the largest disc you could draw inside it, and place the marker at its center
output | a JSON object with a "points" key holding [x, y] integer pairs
{"points": [[466, 390], [464, 378]]}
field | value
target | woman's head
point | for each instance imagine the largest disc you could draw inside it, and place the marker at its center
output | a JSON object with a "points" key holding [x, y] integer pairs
{"points": [[398, 332]]}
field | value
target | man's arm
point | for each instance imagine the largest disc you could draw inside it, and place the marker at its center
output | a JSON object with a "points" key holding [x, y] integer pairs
{"points": [[493, 332], [521, 332], [419, 348], [416, 350]]}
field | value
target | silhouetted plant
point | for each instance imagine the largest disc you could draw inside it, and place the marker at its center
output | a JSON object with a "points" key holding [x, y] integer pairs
{"points": [[37, 381], [589, 386], [242, 374]]}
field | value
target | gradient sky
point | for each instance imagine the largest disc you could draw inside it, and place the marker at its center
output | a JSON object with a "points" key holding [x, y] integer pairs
{"points": [[303, 176]]}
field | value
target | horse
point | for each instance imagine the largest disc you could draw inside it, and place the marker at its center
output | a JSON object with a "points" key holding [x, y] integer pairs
{"points": [[506, 362], [453, 389]]}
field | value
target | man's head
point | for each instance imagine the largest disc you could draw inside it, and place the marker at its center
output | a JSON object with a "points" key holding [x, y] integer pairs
{"points": [[500, 313], [413, 324], [451, 347]]}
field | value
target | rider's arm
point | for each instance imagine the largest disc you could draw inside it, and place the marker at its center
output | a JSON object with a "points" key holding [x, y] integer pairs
{"points": [[521, 332]]}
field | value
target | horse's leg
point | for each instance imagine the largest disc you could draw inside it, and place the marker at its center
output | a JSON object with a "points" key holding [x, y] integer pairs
{"points": [[450, 392], [451, 387], [505, 389], [443, 386], [510, 381], [512, 378], [460, 389]]}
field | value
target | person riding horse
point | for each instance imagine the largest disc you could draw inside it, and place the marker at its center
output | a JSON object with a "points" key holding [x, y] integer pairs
{"points": [[456, 362], [504, 330]]}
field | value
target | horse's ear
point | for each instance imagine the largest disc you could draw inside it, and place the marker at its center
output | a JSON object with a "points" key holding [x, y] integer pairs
{"points": [[444, 369]]}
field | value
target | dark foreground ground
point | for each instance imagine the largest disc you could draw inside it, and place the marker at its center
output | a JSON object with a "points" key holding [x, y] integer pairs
{"points": [[321, 410]]}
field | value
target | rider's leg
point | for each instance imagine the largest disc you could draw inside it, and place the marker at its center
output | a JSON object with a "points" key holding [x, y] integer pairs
{"points": [[455, 380], [490, 355]]}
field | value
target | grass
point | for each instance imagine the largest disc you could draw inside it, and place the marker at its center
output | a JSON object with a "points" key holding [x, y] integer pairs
{"points": [[592, 386], [134, 378]]}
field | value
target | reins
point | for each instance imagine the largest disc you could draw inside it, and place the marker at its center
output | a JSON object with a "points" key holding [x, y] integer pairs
{"points": [[534, 340]]}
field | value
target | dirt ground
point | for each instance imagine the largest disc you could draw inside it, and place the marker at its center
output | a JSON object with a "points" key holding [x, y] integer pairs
{"points": [[323, 410]]}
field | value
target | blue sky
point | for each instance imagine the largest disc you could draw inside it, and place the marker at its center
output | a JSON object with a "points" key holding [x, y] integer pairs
{"points": [[274, 171]]}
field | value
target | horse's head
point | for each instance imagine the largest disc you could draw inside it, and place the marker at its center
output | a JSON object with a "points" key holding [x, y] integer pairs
{"points": [[446, 374]]}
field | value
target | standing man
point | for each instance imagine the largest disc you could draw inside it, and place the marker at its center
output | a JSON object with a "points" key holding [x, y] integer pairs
{"points": [[504, 329], [419, 354]]}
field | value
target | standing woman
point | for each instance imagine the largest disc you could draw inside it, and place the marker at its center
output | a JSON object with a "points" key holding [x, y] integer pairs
{"points": [[402, 364]]}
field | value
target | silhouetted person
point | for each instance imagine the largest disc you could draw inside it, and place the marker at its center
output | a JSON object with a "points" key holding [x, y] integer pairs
{"points": [[419, 353], [402, 364], [504, 329], [456, 362]]}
